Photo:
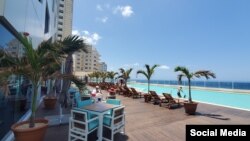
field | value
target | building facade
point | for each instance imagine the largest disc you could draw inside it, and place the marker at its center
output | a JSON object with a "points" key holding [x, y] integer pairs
{"points": [[39, 19], [64, 19], [87, 62], [103, 67]]}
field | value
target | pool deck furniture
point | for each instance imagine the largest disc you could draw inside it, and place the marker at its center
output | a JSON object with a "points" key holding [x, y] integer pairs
{"points": [[156, 98], [171, 102], [144, 120], [81, 125], [99, 109], [136, 94]]}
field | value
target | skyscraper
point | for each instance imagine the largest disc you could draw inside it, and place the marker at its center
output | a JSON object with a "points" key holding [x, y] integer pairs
{"points": [[65, 12]]}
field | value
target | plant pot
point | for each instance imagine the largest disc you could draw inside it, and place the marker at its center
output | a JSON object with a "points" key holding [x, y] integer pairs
{"points": [[36, 133], [49, 102], [190, 108]]}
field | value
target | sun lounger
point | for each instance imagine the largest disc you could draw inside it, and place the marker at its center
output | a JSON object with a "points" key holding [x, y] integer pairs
{"points": [[171, 102], [136, 94], [156, 98]]}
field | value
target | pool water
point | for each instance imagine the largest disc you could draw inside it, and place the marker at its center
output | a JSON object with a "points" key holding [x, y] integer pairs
{"points": [[228, 99]]}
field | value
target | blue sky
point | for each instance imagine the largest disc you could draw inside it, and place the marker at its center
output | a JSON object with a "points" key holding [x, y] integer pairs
{"points": [[198, 34]]}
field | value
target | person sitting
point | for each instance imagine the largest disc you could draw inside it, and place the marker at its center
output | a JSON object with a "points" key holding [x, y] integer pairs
{"points": [[97, 93]]}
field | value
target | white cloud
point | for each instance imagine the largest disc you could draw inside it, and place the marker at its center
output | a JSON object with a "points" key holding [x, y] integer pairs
{"points": [[95, 36], [99, 7], [164, 67], [126, 11], [90, 38], [75, 32], [85, 32], [104, 19], [136, 64]]}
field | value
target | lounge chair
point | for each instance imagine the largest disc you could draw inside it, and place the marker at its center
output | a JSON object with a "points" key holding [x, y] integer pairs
{"points": [[156, 98], [171, 102], [136, 94], [127, 92]]}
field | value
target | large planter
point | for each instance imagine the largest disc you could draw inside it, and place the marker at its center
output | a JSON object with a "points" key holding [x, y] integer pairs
{"points": [[36, 133], [190, 108], [49, 102]]}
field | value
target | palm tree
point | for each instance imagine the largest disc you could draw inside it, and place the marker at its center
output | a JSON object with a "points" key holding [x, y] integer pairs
{"points": [[91, 76], [148, 73], [70, 45], [189, 75], [97, 75], [111, 75], [33, 65], [125, 74], [103, 75]]}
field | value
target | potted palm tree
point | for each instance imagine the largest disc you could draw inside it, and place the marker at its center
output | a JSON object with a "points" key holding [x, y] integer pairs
{"points": [[32, 66], [148, 73], [190, 106]]}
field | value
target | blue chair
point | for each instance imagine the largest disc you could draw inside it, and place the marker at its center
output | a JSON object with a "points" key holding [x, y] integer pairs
{"points": [[85, 103], [80, 125], [114, 122], [114, 101]]}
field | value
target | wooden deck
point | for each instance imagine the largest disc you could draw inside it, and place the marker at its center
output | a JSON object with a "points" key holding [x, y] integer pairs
{"points": [[148, 122]]}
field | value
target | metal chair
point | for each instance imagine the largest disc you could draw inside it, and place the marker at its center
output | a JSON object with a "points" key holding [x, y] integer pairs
{"points": [[114, 122], [81, 124]]}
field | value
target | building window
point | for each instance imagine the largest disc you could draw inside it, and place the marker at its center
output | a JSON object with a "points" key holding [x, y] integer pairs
{"points": [[41, 1], [61, 11], [61, 5], [60, 29], [47, 19], [60, 23], [60, 17]]}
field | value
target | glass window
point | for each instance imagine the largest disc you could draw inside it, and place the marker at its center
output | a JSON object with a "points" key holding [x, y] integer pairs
{"points": [[47, 20], [14, 97]]}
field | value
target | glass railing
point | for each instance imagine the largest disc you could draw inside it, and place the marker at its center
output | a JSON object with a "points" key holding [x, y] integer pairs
{"points": [[209, 84]]}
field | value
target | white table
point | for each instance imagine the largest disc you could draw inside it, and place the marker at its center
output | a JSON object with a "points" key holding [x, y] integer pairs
{"points": [[99, 109]]}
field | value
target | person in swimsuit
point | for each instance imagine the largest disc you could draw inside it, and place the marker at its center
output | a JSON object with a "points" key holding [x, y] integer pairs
{"points": [[179, 92]]}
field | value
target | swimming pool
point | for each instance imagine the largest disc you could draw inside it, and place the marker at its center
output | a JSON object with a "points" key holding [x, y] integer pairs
{"points": [[228, 99]]}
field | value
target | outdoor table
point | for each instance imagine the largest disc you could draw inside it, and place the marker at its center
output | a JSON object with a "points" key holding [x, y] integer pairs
{"points": [[99, 109]]}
